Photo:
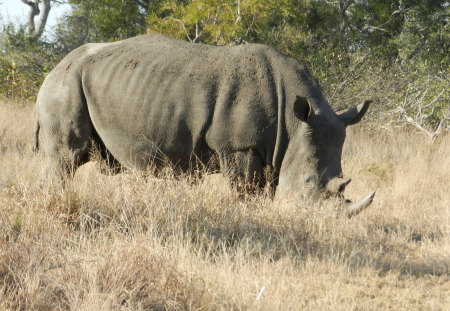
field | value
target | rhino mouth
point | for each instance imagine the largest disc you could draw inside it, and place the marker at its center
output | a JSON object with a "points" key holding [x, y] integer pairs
{"points": [[336, 187]]}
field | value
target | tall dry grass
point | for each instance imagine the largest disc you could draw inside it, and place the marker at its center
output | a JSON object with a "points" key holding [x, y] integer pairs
{"points": [[132, 243]]}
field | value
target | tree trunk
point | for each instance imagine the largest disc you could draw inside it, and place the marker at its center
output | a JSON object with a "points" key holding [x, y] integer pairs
{"points": [[35, 11]]}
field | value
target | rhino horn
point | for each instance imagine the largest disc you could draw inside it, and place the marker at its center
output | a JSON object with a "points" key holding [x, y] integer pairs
{"points": [[355, 114], [356, 208], [337, 185]]}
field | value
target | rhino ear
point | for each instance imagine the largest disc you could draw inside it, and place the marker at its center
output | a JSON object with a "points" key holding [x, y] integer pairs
{"points": [[303, 109], [355, 114]]}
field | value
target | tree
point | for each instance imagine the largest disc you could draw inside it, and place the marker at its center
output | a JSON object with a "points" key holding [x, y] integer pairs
{"points": [[108, 20], [226, 22], [42, 13]]}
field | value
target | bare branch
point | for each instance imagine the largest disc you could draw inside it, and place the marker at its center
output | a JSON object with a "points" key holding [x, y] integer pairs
{"points": [[413, 122], [369, 27], [441, 124], [238, 19], [420, 120], [197, 33], [142, 4], [182, 25]]}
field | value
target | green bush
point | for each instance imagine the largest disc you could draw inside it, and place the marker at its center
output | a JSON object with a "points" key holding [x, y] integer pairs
{"points": [[8, 79], [24, 63]]}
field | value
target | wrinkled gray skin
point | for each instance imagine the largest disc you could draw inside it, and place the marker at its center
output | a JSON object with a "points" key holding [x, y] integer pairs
{"points": [[153, 99]]}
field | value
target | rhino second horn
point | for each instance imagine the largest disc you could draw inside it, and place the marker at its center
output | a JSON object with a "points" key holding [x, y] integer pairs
{"points": [[356, 208], [337, 185]]}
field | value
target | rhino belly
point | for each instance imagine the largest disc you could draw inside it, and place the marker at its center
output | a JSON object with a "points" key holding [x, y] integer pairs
{"points": [[140, 149]]}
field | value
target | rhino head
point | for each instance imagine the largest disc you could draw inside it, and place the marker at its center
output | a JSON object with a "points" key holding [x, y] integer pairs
{"points": [[313, 157]]}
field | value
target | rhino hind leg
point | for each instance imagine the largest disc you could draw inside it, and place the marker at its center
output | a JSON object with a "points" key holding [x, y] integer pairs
{"points": [[244, 169], [67, 137], [67, 149]]}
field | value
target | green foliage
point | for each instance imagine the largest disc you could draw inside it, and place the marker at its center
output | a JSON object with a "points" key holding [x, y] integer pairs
{"points": [[220, 22], [8, 79], [71, 32], [24, 63], [425, 39], [227, 22], [108, 20], [325, 34]]}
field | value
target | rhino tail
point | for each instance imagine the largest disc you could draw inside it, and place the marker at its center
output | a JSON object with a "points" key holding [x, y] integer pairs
{"points": [[36, 138]]}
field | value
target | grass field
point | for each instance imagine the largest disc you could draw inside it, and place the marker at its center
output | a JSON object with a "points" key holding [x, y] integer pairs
{"points": [[132, 243]]}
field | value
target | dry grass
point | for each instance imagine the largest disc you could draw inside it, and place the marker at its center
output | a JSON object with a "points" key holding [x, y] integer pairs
{"points": [[133, 243]]}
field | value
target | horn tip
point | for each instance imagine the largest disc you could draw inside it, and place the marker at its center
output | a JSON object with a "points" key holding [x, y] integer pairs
{"points": [[357, 208]]}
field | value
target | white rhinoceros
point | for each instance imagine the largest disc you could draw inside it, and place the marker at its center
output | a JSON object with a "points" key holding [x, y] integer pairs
{"points": [[156, 100]]}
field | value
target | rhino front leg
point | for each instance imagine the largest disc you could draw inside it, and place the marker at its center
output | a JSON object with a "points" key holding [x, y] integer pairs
{"points": [[244, 170]]}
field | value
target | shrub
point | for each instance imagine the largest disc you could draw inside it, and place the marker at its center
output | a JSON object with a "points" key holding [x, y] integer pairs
{"points": [[24, 63]]}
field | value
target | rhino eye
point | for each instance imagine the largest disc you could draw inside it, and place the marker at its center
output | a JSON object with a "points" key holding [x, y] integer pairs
{"points": [[308, 179]]}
